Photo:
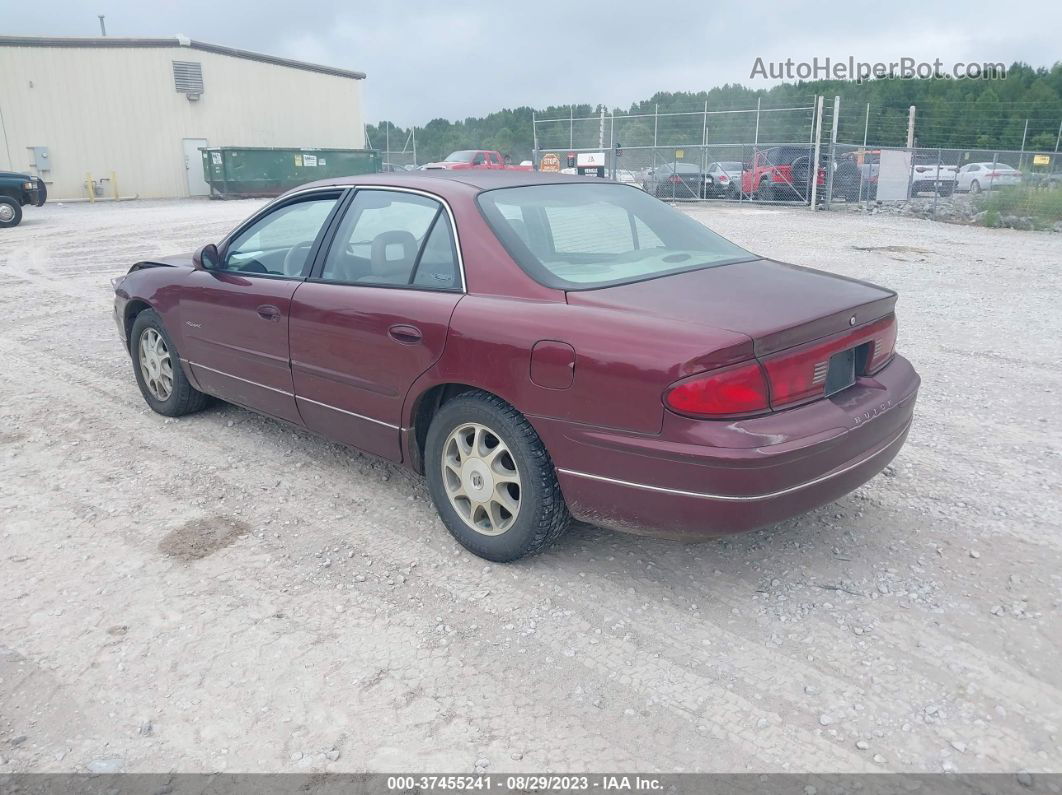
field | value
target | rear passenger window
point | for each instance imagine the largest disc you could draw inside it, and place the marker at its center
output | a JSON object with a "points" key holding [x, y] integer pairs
{"points": [[438, 260], [393, 238]]}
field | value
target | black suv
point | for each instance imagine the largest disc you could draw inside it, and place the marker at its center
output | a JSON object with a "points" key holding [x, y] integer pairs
{"points": [[17, 190]]}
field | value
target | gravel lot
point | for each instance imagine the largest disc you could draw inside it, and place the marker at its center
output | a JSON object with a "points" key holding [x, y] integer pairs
{"points": [[224, 593]]}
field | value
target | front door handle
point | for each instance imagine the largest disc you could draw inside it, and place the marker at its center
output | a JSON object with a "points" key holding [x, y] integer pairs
{"points": [[269, 312], [404, 333]]}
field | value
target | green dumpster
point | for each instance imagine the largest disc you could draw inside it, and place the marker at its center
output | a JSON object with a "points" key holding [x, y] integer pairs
{"points": [[242, 171]]}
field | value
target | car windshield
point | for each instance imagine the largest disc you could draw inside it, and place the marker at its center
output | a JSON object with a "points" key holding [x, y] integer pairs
{"points": [[680, 168], [581, 236], [460, 157]]}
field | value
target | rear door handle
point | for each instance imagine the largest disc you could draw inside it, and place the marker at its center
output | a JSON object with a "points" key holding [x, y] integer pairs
{"points": [[406, 334], [268, 312]]}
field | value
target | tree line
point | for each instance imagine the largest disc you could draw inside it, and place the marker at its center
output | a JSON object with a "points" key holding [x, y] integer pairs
{"points": [[951, 113]]}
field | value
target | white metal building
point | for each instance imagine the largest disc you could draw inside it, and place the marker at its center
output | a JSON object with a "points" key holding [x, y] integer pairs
{"points": [[130, 114]]}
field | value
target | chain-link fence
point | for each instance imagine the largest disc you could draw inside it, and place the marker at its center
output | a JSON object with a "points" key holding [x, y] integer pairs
{"points": [[756, 154], [990, 187], [793, 155]]}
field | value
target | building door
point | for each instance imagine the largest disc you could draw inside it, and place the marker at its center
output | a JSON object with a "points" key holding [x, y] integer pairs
{"points": [[193, 166]]}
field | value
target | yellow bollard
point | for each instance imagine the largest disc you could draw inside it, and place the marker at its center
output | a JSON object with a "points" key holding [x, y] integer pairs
{"points": [[90, 187], [114, 185]]}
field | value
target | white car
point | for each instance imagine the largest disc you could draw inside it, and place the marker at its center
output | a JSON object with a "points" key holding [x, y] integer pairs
{"points": [[628, 177], [976, 177]]}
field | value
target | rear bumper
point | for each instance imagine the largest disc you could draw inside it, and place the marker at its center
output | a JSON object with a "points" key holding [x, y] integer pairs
{"points": [[706, 478]]}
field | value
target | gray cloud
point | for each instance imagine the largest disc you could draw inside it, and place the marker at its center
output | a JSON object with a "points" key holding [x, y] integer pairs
{"points": [[468, 57]]}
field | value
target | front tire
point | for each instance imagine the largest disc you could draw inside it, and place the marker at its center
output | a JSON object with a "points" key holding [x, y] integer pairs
{"points": [[975, 187], [157, 368], [492, 480], [10, 212]]}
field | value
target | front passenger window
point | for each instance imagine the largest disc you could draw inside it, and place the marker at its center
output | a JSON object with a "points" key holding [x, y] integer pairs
{"points": [[279, 243]]}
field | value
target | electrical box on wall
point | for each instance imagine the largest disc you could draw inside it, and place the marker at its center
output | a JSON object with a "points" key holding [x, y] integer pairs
{"points": [[40, 159]]}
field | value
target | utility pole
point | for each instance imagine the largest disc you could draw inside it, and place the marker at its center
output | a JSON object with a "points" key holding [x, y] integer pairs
{"points": [[103, 25], [1058, 138], [910, 127], [601, 130], [813, 198], [1024, 135]]}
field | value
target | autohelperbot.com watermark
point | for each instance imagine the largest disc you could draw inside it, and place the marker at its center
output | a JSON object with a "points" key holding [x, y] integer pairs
{"points": [[852, 69]]}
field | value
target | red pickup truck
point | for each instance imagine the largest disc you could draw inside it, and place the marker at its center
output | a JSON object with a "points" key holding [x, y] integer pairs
{"points": [[475, 158]]}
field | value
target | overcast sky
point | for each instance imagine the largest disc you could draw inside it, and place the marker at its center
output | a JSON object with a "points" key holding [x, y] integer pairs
{"points": [[463, 58]]}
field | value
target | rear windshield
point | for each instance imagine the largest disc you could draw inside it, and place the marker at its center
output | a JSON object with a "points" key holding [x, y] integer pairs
{"points": [[580, 236]]}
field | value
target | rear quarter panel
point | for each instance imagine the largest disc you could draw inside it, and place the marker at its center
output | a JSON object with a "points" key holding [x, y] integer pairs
{"points": [[623, 361]]}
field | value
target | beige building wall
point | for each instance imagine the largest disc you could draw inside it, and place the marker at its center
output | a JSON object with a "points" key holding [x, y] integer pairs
{"points": [[116, 109]]}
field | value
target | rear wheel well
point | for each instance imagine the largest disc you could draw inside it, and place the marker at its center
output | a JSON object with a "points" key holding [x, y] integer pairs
{"points": [[427, 405], [132, 309]]}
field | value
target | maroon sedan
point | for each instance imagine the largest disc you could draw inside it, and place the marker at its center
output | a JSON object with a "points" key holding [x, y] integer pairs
{"points": [[540, 348]]}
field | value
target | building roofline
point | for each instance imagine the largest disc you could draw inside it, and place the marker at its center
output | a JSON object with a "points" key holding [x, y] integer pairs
{"points": [[174, 41]]}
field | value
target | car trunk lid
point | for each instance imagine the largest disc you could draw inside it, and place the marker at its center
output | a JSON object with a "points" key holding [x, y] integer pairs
{"points": [[775, 304]]}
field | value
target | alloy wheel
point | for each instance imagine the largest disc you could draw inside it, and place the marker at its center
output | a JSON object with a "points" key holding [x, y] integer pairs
{"points": [[156, 365], [481, 478], [7, 213]]}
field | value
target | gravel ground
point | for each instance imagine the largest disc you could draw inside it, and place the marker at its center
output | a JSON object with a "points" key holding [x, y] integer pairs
{"points": [[225, 593]]}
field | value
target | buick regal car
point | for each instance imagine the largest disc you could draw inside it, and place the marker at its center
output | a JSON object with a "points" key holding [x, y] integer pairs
{"points": [[539, 347]]}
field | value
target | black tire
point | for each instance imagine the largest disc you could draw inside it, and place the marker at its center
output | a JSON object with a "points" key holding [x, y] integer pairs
{"points": [[975, 187], [767, 192], [183, 398], [946, 190], [8, 204], [542, 515]]}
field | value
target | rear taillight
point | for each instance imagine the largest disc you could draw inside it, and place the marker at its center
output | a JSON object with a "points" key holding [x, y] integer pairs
{"points": [[883, 344], [799, 375], [727, 392], [674, 179]]}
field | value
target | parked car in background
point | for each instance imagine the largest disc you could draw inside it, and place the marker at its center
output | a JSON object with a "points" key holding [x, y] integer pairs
{"points": [[781, 173], [929, 176], [723, 179], [539, 347], [16, 191], [976, 177], [674, 181], [476, 158], [628, 177], [855, 177]]}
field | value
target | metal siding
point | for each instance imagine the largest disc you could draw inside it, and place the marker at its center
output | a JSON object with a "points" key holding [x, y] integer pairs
{"points": [[101, 110]]}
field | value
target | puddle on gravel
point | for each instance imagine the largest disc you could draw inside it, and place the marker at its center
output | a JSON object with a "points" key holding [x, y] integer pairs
{"points": [[202, 537], [894, 249]]}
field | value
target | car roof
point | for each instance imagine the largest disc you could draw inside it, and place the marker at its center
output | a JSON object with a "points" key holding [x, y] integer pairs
{"points": [[459, 181]]}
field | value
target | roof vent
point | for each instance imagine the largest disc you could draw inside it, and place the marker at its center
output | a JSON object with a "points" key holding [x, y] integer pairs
{"points": [[183, 40], [188, 78]]}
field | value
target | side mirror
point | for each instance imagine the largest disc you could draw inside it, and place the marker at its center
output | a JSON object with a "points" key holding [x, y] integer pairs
{"points": [[206, 257]]}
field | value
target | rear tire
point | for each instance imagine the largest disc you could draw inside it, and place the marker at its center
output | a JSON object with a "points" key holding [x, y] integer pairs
{"points": [[975, 187], [10, 212], [157, 367], [491, 479]]}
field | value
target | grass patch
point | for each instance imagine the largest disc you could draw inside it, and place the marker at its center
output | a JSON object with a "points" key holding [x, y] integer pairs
{"points": [[1042, 206]]}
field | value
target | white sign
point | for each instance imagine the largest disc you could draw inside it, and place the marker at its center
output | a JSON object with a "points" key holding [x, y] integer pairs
{"points": [[215, 158], [590, 159], [309, 160]]}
